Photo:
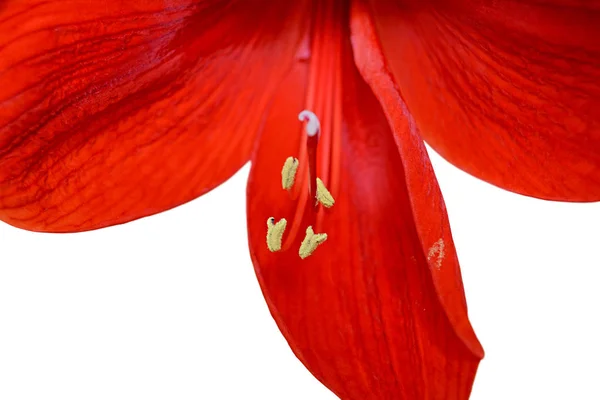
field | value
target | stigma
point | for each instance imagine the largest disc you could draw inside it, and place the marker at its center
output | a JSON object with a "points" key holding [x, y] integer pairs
{"points": [[313, 125]]}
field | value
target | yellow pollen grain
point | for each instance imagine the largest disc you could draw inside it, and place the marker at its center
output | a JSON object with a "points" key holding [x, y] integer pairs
{"points": [[437, 251], [311, 242], [323, 195], [275, 233], [288, 173]]}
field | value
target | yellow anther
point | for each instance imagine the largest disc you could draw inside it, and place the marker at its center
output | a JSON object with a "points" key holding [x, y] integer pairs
{"points": [[275, 233], [311, 242], [323, 195], [288, 173]]}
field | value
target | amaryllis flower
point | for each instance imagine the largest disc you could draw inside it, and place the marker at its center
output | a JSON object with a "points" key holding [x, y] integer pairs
{"points": [[116, 110]]}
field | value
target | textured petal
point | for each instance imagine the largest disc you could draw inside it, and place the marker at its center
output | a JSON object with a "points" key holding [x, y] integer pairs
{"points": [[369, 313], [111, 111], [509, 90]]}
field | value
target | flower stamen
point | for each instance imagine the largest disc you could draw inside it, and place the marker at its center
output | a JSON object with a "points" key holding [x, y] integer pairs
{"points": [[288, 173], [311, 242], [275, 233], [316, 188], [323, 195]]}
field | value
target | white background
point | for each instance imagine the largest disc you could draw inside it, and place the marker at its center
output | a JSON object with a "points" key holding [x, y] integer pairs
{"points": [[168, 307]]}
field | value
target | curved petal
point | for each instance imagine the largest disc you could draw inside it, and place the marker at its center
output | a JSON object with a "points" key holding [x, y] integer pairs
{"points": [[363, 312], [111, 111], [509, 91]]}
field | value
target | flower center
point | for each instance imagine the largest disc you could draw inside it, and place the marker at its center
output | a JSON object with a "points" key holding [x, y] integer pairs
{"points": [[275, 230]]}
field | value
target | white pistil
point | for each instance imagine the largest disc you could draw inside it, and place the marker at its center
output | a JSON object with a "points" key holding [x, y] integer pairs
{"points": [[313, 125]]}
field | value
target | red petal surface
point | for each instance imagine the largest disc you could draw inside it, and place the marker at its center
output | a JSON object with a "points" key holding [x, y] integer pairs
{"points": [[509, 90], [111, 111], [378, 310]]}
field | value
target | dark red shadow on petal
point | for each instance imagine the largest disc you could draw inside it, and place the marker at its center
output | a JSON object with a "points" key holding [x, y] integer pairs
{"points": [[509, 91], [113, 111]]}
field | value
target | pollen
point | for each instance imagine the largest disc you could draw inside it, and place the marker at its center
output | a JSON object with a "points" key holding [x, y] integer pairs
{"points": [[323, 195], [275, 233], [437, 252], [311, 242], [288, 173]]}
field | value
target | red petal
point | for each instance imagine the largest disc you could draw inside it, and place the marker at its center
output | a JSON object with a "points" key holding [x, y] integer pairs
{"points": [[367, 313], [509, 90], [111, 111]]}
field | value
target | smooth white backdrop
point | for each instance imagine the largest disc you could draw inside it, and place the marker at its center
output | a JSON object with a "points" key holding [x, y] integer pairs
{"points": [[168, 307]]}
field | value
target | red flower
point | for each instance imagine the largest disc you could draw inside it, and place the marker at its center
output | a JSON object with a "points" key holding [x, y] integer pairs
{"points": [[111, 111]]}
